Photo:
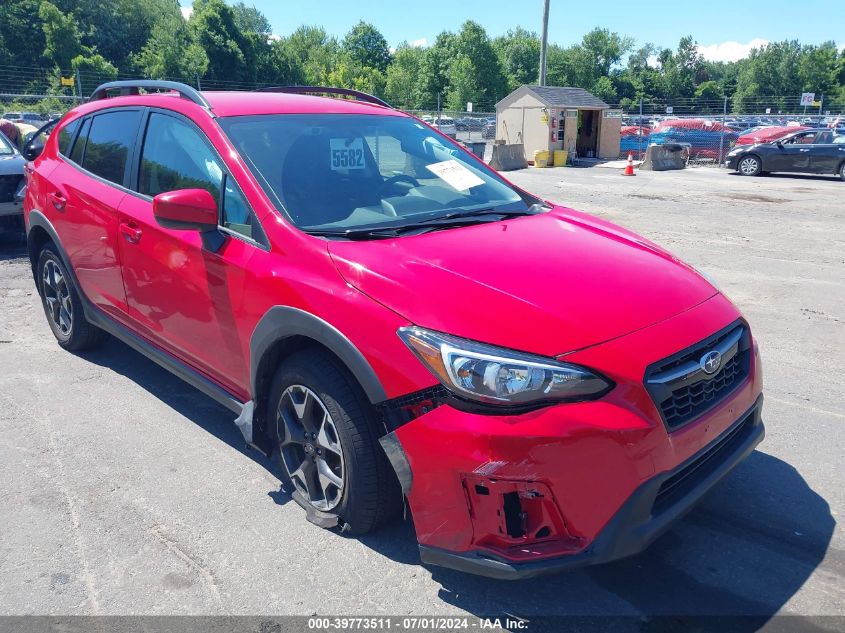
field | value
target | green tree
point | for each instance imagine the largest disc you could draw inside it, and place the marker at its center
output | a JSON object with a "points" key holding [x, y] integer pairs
{"points": [[463, 84], [285, 69], [117, 29], [366, 46], [709, 91], [250, 19], [683, 69], [473, 43], [434, 66], [602, 50], [818, 68], [768, 72], [62, 41], [230, 53], [590, 64], [604, 89], [93, 70], [171, 52], [315, 51], [22, 35], [400, 88], [519, 56], [348, 74]]}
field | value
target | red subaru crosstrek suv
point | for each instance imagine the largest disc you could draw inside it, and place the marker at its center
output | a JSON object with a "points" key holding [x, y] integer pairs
{"points": [[395, 320]]}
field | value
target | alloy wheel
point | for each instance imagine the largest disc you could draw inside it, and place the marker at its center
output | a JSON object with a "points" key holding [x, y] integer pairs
{"points": [[57, 297], [749, 166], [310, 447]]}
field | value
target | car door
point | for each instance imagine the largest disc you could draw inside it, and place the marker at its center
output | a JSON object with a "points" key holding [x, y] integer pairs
{"points": [[827, 157], [792, 154], [180, 295], [84, 192]]}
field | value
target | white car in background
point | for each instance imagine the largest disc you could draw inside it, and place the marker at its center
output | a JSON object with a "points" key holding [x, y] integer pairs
{"points": [[445, 124]]}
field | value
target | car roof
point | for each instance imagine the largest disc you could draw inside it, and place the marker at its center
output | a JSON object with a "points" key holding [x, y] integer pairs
{"points": [[240, 103], [247, 103]]}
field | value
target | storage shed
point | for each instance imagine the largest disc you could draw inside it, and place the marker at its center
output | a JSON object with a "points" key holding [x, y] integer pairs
{"points": [[553, 117]]}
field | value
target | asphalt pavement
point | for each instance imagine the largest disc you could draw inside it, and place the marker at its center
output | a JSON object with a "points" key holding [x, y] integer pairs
{"points": [[125, 491]]}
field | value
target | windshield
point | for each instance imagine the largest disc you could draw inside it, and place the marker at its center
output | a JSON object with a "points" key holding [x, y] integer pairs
{"points": [[5, 146], [342, 171]]}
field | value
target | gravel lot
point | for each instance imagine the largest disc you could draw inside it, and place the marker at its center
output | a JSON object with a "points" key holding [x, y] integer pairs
{"points": [[126, 492]]}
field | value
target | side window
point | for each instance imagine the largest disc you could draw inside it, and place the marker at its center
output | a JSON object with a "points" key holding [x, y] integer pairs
{"points": [[66, 136], [78, 151], [109, 141], [176, 156]]}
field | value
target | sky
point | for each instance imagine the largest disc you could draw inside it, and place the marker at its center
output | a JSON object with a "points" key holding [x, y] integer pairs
{"points": [[725, 29]]}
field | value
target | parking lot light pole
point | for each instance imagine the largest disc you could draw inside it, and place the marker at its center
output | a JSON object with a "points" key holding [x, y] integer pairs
{"points": [[544, 43]]}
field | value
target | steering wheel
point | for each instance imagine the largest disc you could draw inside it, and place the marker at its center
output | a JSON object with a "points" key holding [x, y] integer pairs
{"points": [[400, 178]]}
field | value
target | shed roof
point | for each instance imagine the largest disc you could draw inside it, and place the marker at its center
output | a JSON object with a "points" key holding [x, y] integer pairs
{"points": [[561, 97]]}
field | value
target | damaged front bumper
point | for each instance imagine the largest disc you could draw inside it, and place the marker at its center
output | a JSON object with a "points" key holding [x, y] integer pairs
{"points": [[652, 508]]}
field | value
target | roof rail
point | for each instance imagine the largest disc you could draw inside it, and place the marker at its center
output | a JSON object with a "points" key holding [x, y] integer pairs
{"points": [[327, 90], [132, 87]]}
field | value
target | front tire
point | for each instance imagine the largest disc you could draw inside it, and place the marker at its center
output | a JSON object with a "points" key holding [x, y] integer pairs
{"points": [[842, 172], [750, 166], [327, 438], [62, 304]]}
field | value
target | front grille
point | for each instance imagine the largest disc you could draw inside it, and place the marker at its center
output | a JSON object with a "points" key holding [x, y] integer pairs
{"points": [[9, 187], [683, 391], [701, 465]]}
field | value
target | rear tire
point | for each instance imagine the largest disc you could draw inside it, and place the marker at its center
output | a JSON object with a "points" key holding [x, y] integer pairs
{"points": [[842, 172], [750, 166], [327, 438], [62, 305]]}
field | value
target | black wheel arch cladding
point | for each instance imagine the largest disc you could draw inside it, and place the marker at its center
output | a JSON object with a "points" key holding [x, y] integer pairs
{"points": [[285, 323]]}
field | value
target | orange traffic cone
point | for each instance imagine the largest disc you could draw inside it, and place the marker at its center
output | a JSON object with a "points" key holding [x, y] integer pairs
{"points": [[629, 168]]}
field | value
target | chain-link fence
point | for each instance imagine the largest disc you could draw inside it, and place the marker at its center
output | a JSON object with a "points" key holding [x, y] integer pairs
{"points": [[711, 127]]}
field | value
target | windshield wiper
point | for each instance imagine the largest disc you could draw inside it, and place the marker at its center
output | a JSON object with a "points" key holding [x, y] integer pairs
{"points": [[453, 219], [357, 234], [459, 215]]}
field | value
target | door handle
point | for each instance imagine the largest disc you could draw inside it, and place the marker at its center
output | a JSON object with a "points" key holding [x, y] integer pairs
{"points": [[130, 231], [803, 150], [58, 200]]}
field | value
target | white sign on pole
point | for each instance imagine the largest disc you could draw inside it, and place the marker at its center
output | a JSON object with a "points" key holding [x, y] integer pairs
{"points": [[669, 109], [807, 98], [469, 106], [768, 110]]}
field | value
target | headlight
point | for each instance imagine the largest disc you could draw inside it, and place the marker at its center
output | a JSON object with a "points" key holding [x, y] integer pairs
{"points": [[495, 375]]}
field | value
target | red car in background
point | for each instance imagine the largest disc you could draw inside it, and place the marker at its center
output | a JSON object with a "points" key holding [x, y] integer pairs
{"points": [[395, 321], [767, 134]]}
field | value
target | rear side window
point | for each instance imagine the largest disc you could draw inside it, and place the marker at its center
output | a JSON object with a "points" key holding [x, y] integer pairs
{"points": [[66, 136], [110, 139], [78, 151]]}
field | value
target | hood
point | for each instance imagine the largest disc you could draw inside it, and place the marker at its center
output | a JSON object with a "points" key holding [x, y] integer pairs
{"points": [[11, 164], [546, 284]]}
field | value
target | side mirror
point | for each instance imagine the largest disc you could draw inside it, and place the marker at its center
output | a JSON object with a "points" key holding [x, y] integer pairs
{"points": [[189, 210], [779, 144], [32, 150], [34, 143]]}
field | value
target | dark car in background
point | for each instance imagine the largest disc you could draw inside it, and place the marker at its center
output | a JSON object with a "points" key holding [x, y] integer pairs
{"points": [[469, 124], [489, 129], [807, 151], [31, 118], [12, 184]]}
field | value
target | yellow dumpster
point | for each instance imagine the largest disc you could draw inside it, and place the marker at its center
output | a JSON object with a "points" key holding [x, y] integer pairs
{"points": [[560, 157], [541, 158]]}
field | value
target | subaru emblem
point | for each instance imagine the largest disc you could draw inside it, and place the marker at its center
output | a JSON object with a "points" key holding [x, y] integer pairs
{"points": [[711, 362]]}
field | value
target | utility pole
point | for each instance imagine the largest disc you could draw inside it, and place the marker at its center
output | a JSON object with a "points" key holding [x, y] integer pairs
{"points": [[544, 42]]}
